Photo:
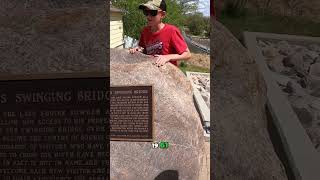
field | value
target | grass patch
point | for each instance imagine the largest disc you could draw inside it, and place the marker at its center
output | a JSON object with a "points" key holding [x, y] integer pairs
{"points": [[188, 67], [270, 24]]}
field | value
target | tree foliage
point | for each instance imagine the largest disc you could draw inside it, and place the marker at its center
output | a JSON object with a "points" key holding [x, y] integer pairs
{"points": [[207, 26], [198, 24], [189, 6], [132, 17], [134, 20]]}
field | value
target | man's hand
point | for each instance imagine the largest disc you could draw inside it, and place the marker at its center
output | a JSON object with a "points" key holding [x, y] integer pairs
{"points": [[133, 50], [162, 59]]}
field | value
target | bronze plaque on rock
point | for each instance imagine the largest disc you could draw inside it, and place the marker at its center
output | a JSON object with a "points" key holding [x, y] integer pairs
{"points": [[54, 126], [131, 113]]}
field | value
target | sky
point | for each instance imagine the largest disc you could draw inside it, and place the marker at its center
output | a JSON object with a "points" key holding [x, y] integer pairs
{"points": [[204, 7]]}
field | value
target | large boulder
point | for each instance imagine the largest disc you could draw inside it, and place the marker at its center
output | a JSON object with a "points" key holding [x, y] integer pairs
{"points": [[176, 121], [241, 147], [52, 40]]}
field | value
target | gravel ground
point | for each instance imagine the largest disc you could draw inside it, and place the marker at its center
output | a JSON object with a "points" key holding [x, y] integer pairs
{"points": [[202, 83], [201, 60]]}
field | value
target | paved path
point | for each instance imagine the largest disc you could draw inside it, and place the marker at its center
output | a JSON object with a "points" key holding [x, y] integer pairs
{"points": [[194, 47]]}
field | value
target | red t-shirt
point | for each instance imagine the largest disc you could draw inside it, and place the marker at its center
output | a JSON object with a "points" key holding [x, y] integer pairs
{"points": [[166, 41]]}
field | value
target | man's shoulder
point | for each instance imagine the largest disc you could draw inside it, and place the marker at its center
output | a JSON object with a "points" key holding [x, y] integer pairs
{"points": [[172, 27]]}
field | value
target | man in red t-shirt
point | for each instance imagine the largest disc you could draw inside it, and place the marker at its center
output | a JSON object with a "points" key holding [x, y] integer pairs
{"points": [[163, 41]]}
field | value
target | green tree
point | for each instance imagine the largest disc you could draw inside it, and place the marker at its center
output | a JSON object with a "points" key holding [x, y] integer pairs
{"points": [[134, 20], [189, 6], [207, 27], [196, 24], [175, 13]]}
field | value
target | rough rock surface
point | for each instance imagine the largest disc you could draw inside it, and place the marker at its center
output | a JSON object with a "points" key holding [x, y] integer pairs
{"points": [[202, 83], [52, 40], [293, 8], [315, 70], [176, 121], [299, 78], [241, 147], [48, 4]]}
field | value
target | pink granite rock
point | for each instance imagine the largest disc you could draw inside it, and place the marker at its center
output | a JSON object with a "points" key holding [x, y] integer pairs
{"points": [[176, 121], [315, 70], [241, 148], [41, 39]]}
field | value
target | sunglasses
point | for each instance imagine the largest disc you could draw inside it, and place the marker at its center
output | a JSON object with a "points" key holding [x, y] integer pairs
{"points": [[150, 12]]}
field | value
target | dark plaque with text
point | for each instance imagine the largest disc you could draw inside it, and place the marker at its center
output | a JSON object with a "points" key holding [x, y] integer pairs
{"points": [[54, 128], [131, 113]]}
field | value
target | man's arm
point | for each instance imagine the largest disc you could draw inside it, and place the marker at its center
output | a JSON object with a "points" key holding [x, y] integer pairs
{"points": [[162, 59], [140, 45]]}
